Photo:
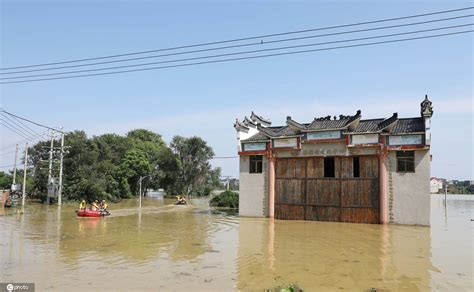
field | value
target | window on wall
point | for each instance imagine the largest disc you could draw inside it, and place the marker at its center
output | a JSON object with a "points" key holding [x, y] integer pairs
{"points": [[329, 167], [405, 161], [256, 162], [356, 166]]}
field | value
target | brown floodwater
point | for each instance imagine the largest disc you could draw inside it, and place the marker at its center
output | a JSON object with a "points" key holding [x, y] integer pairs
{"points": [[197, 248]]}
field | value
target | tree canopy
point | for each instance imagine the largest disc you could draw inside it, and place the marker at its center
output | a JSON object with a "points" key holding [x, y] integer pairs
{"points": [[109, 166]]}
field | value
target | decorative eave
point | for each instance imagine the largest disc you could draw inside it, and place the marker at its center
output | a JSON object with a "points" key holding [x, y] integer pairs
{"points": [[259, 119], [388, 124], [363, 133], [255, 141], [265, 131], [238, 125], [295, 126], [353, 122], [324, 130], [249, 123], [401, 134]]}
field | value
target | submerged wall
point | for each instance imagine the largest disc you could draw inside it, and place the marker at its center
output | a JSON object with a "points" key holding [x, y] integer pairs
{"points": [[253, 194], [409, 193]]}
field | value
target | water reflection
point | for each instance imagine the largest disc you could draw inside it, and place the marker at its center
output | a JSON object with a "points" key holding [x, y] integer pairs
{"points": [[166, 247], [333, 255]]}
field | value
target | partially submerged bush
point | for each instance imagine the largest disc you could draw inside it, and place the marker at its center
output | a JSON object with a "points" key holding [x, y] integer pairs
{"points": [[289, 288], [226, 199]]}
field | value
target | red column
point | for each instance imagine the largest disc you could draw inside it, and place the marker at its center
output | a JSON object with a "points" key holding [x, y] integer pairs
{"points": [[271, 187], [383, 187]]}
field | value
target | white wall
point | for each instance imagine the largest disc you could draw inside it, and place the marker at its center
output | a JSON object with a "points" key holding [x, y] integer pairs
{"points": [[410, 191], [252, 190]]}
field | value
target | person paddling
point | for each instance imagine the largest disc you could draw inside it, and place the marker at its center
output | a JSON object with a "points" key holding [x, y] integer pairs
{"points": [[103, 206], [95, 206], [181, 200], [82, 205]]}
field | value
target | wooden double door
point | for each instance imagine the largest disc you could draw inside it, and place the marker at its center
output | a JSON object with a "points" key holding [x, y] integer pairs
{"points": [[302, 192]]}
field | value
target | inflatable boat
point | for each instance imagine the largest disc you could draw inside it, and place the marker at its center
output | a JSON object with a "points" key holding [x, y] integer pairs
{"points": [[92, 213]]}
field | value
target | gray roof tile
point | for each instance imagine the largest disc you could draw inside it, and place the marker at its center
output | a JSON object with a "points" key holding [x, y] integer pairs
{"points": [[368, 126], [409, 125], [402, 126]]}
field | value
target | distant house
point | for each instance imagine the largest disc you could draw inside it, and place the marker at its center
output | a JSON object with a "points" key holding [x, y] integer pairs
{"points": [[341, 168], [436, 185]]}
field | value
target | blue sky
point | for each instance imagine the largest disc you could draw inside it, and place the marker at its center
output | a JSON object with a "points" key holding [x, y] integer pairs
{"points": [[205, 100]]}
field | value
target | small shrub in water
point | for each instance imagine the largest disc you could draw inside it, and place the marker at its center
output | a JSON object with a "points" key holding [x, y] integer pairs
{"points": [[227, 199], [289, 288]]}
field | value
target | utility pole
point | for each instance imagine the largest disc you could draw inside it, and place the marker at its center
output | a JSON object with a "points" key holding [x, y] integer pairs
{"points": [[50, 171], [24, 176], [60, 191], [14, 165], [140, 188]]}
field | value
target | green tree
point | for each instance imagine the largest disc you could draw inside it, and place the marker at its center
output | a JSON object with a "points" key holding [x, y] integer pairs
{"points": [[5, 180], [134, 165], [193, 155]]}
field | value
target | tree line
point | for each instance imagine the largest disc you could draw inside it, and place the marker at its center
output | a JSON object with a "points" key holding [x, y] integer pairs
{"points": [[109, 166]]}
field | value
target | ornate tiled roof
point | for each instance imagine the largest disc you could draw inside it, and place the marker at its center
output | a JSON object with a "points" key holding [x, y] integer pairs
{"points": [[257, 137], [368, 126], [348, 124], [388, 122], [409, 125], [239, 125], [259, 119], [248, 122]]}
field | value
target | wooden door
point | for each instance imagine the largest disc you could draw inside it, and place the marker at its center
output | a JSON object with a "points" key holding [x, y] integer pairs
{"points": [[303, 193]]}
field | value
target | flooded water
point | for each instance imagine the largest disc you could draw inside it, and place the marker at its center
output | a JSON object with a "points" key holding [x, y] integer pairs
{"points": [[196, 248]]}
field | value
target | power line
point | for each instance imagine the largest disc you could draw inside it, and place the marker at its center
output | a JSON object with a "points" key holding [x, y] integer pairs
{"points": [[260, 43], [19, 124], [6, 166], [23, 124], [5, 153], [235, 53], [13, 128], [243, 39], [241, 58], [30, 121], [39, 136]]}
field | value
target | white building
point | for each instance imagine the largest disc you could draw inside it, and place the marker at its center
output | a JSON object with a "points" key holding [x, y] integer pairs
{"points": [[436, 185], [343, 168]]}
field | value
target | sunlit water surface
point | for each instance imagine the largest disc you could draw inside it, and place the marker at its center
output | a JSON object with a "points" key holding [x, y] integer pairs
{"points": [[196, 248]]}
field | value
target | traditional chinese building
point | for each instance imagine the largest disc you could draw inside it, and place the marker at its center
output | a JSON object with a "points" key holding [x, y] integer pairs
{"points": [[341, 168]]}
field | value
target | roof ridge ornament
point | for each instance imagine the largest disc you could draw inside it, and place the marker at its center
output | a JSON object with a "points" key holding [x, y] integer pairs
{"points": [[388, 123], [248, 122], [238, 125], [256, 118], [426, 107]]}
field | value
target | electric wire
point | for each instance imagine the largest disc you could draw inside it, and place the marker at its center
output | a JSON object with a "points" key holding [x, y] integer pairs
{"points": [[8, 146], [235, 53], [243, 58], [30, 121], [14, 128], [245, 38], [260, 43], [19, 124]]}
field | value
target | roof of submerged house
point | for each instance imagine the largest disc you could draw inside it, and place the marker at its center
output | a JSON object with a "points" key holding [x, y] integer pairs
{"points": [[349, 124]]}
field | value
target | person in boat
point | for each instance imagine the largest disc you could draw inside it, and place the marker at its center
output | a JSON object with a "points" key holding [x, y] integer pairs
{"points": [[181, 200], [82, 205], [95, 206], [103, 206]]}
